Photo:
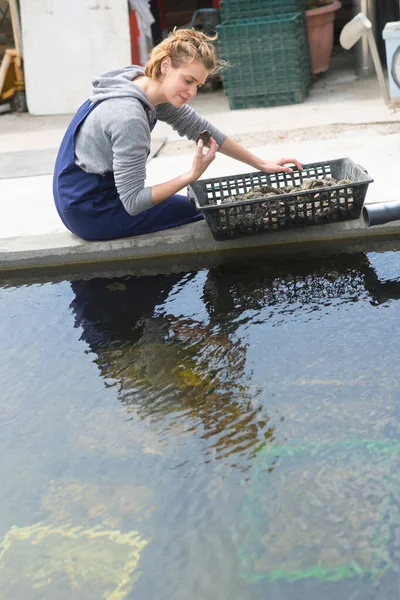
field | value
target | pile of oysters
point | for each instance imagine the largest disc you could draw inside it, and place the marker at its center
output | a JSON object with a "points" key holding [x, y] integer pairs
{"points": [[267, 190], [319, 205]]}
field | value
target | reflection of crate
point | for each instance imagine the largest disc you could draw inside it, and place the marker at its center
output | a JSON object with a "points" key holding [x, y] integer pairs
{"points": [[320, 511], [307, 207], [237, 9], [269, 60]]}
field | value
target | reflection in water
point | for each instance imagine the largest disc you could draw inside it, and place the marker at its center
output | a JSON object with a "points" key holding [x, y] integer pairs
{"points": [[180, 366], [345, 277], [194, 372], [263, 367], [108, 504]]}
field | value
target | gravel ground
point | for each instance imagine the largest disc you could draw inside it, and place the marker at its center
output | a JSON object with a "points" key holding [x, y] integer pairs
{"points": [[249, 140]]}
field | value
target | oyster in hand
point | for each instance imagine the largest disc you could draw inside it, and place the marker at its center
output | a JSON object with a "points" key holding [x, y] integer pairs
{"points": [[205, 136]]}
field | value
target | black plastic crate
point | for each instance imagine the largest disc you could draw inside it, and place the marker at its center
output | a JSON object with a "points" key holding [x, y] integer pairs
{"points": [[238, 9], [273, 213]]}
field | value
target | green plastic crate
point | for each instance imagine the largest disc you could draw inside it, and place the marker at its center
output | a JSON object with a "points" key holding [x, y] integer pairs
{"points": [[289, 24], [279, 87], [269, 61], [237, 102], [264, 45], [265, 70], [239, 9]]}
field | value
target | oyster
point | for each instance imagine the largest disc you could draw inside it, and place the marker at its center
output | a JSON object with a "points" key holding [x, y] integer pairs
{"points": [[268, 190], [204, 135], [318, 205]]}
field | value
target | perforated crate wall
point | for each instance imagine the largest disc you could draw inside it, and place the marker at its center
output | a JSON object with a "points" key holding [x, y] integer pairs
{"points": [[238, 101], [239, 9], [267, 58], [306, 207]]}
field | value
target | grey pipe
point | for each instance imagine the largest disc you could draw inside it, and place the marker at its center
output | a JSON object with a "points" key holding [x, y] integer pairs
{"points": [[381, 212]]}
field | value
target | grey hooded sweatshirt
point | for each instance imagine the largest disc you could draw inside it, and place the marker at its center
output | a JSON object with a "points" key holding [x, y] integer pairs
{"points": [[115, 136]]}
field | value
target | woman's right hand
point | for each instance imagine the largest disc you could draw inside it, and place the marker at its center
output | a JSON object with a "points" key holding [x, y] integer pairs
{"points": [[203, 160]]}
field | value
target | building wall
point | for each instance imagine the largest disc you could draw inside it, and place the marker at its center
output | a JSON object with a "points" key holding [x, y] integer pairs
{"points": [[66, 43]]}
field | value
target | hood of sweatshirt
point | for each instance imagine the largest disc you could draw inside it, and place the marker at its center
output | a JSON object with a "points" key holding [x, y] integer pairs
{"points": [[119, 84]]}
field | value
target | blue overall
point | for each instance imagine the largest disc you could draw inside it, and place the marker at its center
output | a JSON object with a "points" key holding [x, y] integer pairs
{"points": [[89, 204]]}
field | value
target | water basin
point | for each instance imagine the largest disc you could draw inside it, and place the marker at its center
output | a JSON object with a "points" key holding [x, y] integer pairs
{"points": [[229, 432]]}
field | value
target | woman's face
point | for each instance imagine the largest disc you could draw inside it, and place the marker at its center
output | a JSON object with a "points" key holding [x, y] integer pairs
{"points": [[181, 84]]}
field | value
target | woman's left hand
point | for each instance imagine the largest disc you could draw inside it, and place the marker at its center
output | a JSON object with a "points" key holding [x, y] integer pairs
{"points": [[279, 165]]}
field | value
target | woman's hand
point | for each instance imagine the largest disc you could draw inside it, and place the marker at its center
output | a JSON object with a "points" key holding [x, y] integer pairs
{"points": [[278, 166], [201, 161]]}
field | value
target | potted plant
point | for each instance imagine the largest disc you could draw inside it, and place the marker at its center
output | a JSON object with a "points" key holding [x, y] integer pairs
{"points": [[320, 25]]}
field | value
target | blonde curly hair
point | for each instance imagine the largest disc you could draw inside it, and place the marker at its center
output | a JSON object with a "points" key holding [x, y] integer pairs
{"points": [[183, 46]]}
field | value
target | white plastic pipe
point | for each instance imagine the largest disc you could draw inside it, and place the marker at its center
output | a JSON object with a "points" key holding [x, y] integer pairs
{"points": [[351, 33]]}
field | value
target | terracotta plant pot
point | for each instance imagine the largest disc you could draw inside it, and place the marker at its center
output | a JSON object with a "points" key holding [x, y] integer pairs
{"points": [[320, 26]]}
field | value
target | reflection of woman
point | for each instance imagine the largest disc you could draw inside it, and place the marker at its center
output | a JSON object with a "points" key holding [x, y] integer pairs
{"points": [[124, 323], [166, 364], [99, 178], [112, 311]]}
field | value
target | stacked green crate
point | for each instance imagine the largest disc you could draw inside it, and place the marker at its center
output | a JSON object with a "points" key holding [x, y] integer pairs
{"points": [[234, 10], [268, 55]]}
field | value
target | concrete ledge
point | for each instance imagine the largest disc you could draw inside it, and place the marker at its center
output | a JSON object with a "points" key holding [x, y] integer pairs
{"points": [[63, 249]]}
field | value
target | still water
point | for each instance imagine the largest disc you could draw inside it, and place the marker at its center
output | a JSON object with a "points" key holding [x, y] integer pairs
{"points": [[227, 433]]}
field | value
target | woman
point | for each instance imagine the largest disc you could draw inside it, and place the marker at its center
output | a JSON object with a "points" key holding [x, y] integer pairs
{"points": [[99, 178]]}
